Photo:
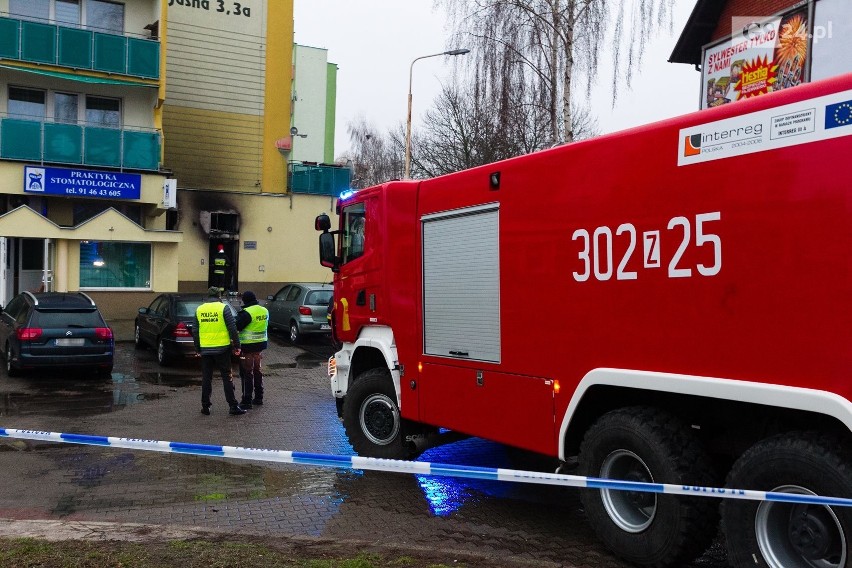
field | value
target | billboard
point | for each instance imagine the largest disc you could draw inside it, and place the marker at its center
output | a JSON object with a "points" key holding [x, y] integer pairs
{"points": [[760, 57], [81, 183]]}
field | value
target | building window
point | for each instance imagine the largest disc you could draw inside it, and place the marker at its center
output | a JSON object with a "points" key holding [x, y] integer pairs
{"points": [[30, 9], [32, 254], [110, 264], [65, 108], [67, 12], [26, 103], [105, 16], [103, 112]]}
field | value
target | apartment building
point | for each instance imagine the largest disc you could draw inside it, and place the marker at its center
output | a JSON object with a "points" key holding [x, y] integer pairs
{"points": [[81, 187], [137, 136]]}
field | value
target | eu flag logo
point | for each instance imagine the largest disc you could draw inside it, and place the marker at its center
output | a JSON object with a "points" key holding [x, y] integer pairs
{"points": [[837, 115]]}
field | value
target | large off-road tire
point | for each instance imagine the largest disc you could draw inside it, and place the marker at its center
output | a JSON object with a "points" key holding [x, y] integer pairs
{"points": [[11, 370], [649, 529], [787, 535], [371, 417]]}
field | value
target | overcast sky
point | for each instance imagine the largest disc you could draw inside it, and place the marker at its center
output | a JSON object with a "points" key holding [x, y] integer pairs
{"points": [[374, 41]]}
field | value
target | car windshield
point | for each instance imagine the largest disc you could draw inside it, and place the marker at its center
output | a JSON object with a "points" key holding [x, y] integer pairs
{"points": [[318, 297], [55, 319], [187, 309]]}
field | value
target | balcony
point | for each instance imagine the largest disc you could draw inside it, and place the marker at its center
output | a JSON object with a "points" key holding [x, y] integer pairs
{"points": [[59, 143], [317, 179], [38, 42]]}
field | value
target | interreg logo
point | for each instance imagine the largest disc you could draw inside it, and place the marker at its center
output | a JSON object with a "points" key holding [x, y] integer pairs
{"points": [[838, 115], [733, 137], [35, 179]]}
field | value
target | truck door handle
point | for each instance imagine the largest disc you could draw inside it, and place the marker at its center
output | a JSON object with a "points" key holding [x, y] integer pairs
{"points": [[460, 353]]}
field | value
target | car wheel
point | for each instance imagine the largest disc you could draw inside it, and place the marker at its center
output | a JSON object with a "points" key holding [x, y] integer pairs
{"points": [[371, 417], [162, 357], [295, 336], [11, 370], [651, 446], [790, 535], [137, 337]]}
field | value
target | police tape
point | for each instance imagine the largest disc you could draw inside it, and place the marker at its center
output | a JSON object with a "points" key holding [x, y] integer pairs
{"points": [[420, 468]]}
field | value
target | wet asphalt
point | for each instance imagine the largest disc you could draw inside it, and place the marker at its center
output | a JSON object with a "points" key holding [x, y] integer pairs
{"points": [[510, 523]]}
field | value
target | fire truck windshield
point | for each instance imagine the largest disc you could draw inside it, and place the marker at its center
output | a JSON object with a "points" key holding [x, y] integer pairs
{"points": [[352, 243]]}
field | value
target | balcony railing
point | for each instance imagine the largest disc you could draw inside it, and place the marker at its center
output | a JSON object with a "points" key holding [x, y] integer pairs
{"points": [[61, 143], [318, 179], [38, 42]]}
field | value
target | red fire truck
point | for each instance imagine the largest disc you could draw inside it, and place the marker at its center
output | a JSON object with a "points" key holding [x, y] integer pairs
{"points": [[668, 304]]}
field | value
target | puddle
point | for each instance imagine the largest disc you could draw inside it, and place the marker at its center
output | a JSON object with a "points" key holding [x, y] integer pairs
{"points": [[166, 379], [303, 361], [82, 396]]}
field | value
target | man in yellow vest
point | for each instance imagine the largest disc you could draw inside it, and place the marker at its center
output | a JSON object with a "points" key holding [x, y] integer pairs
{"points": [[252, 322], [215, 334]]}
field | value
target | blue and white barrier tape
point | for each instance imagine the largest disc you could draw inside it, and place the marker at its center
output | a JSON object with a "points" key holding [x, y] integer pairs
{"points": [[422, 468]]}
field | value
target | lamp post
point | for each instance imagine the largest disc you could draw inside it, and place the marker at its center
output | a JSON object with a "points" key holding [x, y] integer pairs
{"points": [[408, 120]]}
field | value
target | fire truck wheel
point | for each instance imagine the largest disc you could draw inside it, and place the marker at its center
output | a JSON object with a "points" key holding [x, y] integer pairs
{"points": [[648, 445], [371, 417], [790, 535]]}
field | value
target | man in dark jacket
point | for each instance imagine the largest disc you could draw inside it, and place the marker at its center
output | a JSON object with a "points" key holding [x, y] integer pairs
{"points": [[252, 323], [215, 334]]}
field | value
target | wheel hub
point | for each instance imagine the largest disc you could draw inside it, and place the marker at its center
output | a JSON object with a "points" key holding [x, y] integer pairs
{"points": [[379, 419], [810, 532], [798, 535], [631, 511]]}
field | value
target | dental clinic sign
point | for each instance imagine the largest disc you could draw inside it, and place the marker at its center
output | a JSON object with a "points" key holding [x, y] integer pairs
{"points": [[82, 183]]}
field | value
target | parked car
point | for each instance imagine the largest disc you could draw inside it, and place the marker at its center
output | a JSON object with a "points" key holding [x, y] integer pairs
{"points": [[166, 324], [55, 330], [301, 308]]}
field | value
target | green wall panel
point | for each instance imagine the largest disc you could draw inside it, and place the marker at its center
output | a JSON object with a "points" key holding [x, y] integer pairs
{"points": [[110, 53], [75, 48], [20, 139], [143, 58], [9, 38], [103, 147], [141, 150], [63, 143], [38, 42]]}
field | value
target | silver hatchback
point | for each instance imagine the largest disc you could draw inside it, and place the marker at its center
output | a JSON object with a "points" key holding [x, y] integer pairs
{"points": [[301, 308]]}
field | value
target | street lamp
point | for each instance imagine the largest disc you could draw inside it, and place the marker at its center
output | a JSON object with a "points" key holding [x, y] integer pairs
{"points": [[408, 120]]}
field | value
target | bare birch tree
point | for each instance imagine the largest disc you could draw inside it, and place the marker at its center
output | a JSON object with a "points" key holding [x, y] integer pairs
{"points": [[461, 131], [374, 158], [543, 43]]}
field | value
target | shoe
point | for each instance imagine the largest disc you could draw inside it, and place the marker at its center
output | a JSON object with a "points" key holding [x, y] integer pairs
{"points": [[245, 405], [205, 410], [236, 410], [257, 402]]}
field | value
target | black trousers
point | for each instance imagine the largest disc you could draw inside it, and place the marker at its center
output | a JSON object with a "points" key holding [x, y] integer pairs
{"points": [[222, 362]]}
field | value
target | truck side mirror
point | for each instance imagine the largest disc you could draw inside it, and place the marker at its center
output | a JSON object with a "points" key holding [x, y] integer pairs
{"points": [[322, 222], [327, 250]]}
